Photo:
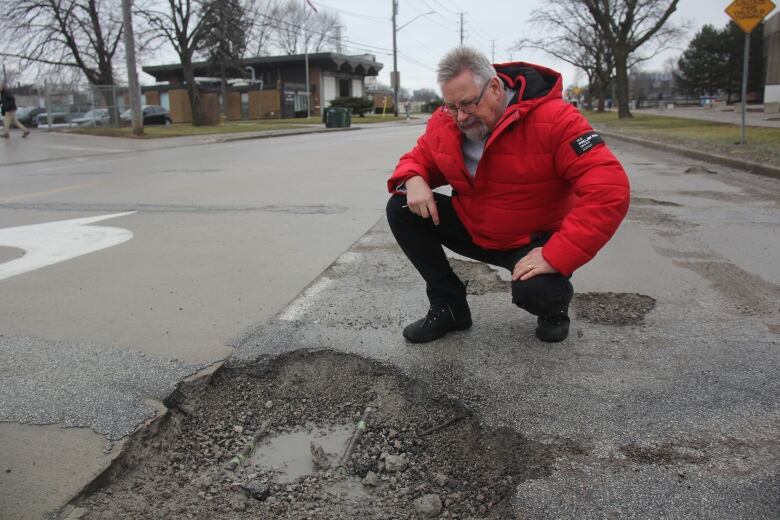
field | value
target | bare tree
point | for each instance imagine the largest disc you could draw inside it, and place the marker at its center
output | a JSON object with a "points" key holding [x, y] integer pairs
{"points": [[76, 34], [628, 25], [181, 24], [260, 19], [571, 35], [298, 29]]}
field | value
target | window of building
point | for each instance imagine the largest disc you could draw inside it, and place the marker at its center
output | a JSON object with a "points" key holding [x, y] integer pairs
{"points": [[300, 102], [344, 85], [164, 101]]}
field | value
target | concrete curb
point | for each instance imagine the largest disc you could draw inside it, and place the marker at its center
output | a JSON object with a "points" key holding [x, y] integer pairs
{"points": [[751, 167], [280, 133]]}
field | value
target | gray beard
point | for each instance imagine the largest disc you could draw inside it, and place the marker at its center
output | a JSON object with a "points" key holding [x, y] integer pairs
{"points": [[475, 132]]}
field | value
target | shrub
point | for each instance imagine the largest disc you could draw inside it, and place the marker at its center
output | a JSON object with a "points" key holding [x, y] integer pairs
{"points": [[358, 105]]}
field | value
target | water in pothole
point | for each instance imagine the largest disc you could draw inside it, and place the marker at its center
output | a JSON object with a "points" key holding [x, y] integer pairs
{"points": [[288, 455]]}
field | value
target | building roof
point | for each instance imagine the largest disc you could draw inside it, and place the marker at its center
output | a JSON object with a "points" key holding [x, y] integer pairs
{"points": [[363, 65]]}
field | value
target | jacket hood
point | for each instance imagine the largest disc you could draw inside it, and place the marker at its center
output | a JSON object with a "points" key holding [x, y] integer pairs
{"points": [[529, 80]]}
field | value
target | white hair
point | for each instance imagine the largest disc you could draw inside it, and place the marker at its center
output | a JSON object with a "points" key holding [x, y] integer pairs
{"points": [[465, 58]]}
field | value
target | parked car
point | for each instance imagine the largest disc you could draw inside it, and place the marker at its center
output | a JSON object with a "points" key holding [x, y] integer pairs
{"points": [[96, 117], [63, 114], [27, 115], [153, 115], [58, 117]]}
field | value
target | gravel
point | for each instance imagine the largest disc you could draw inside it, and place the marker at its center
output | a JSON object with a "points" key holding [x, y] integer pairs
{"points": [[399, 470]]}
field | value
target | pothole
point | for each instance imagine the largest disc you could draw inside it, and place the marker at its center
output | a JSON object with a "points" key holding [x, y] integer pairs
{"points": [[647, 201], [418, 452], [700, 169], [612, 308], [288, 455]]}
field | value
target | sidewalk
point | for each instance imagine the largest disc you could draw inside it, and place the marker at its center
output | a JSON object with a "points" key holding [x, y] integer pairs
{"points": [[724, 114]]}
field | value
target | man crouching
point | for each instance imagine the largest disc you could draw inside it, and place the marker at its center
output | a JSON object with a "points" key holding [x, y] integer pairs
{"points": [[534, 190]]}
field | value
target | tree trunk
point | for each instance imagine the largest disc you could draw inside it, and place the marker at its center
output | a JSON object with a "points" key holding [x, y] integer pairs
{"points": [[623, 98], [601, 91], [223, 92], [193, 92]]}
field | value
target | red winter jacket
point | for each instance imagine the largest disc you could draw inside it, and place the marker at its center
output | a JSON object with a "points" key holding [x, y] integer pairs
{"points": [[543, 169]]}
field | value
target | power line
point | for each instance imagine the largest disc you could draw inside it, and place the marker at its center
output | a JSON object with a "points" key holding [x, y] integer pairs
{"points": [[370, 18], [445, 7], [476, 27], [310, 31], [457, 7]]}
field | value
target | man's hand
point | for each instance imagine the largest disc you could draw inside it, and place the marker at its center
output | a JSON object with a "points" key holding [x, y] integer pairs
{"points": [[419, 199], [531, 265]]}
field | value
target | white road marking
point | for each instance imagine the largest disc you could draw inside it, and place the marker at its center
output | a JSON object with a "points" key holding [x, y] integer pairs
{"points": [[298, 307], [53, 242]]}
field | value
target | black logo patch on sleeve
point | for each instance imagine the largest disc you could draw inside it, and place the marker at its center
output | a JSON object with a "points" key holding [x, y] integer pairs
{"points": [[585, 142]]}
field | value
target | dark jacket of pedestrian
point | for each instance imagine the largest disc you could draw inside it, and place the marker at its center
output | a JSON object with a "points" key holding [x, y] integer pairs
{"points": [[7, 101]]}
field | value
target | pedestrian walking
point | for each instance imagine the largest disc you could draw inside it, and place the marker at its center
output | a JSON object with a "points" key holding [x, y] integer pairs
{"points": [[534, 190], [8, 108]]}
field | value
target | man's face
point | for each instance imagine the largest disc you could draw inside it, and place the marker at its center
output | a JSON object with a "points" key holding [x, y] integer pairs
{"points": [[460, 94]]}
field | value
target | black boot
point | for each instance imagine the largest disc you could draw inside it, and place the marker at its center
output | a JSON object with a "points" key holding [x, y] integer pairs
{"points": [[441, 319], [553, 328]]}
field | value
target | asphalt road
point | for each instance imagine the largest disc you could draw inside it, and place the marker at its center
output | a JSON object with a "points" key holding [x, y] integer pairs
{"points": [[217, 240], [222, 236]]}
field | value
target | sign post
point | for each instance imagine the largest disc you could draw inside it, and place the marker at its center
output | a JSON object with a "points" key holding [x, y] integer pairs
{"points": [[747, 14]]}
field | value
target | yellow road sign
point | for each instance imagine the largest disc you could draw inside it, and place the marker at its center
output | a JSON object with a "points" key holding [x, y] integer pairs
{"points": [[749, 13]]}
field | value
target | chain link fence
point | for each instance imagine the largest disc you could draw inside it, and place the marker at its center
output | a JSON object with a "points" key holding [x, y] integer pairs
{"points": [[60, 106]]}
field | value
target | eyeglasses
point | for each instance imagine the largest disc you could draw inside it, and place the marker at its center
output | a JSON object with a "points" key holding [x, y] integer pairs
{"points": [[466, 108]]}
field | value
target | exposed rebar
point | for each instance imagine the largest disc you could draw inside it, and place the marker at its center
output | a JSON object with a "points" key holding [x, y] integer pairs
{"points": [[247, 450]]}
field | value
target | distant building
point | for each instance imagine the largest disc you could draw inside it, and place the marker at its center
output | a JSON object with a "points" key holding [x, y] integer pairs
{"points": [[275, 87], [772, 53], [424, 94]]}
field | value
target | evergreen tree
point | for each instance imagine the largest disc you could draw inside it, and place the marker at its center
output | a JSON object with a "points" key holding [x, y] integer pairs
{"points": [[226, 29], [704, 66], [712, 63]]}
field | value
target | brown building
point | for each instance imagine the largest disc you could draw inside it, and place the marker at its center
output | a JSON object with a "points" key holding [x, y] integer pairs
{"points": [[276, 87]]}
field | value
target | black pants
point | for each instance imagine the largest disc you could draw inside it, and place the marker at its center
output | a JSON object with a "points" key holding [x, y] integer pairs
{"points": [[422, 241]]}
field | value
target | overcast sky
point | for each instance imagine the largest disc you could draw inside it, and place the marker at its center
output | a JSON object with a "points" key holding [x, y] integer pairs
{"points": [[368, 28]]}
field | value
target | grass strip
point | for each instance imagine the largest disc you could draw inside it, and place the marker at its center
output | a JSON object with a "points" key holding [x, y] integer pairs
{"points": [[187, 129], [762, 144]]}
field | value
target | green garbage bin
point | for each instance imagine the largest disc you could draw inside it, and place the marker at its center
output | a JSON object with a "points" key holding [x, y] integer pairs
{"points": [[329, 117], [347, 117], [337, 117]]}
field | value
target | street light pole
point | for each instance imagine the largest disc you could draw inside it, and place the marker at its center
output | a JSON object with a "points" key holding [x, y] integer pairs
{"points": [[395, 79]]}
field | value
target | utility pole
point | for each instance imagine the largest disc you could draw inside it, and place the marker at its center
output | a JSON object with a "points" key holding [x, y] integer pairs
{"points": [[132, 73], [306, 58], [461, 29], [493, 52], [394, 80]]}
